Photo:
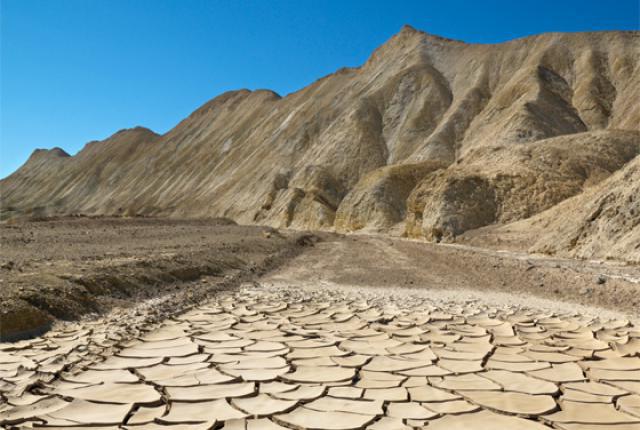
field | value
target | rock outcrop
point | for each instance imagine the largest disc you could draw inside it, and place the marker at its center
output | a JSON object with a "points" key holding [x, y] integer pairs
{"points": [[605, 221], [602, 222], [378, 201], [430, 137], [498, 185]]}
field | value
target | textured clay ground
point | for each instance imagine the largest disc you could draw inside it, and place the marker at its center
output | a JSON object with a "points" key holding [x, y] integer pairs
{"points": [[278, 357], [354, 333]]}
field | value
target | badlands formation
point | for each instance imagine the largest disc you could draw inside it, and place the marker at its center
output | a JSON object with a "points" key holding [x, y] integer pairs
{"points": [[431, 138], [150, 308]]}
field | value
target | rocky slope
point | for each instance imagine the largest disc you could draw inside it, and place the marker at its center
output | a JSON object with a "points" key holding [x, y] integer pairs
{"points": [[603, 222], [430, 138]]}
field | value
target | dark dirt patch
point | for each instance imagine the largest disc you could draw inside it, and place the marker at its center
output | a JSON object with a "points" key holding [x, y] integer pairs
{"points": [[66, 268]]}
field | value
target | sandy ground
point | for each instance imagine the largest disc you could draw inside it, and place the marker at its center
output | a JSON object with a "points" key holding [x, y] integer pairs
{"points": [[379, 261]]}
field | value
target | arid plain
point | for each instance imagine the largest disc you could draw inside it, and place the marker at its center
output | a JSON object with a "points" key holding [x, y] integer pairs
{"points": [[248, 328]]}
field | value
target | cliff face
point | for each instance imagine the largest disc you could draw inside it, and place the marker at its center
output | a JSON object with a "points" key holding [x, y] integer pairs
{"points": [[430, 137]]}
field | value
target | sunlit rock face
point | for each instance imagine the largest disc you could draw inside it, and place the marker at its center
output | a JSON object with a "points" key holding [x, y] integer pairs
{"points": [[430, 138]]}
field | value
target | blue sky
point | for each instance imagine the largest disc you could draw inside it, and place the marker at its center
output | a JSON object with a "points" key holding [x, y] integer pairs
{"points": [[79, 70]]}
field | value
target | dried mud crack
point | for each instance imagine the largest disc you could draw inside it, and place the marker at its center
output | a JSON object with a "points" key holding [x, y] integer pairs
{"points": [[357, 332], [291, 357]]}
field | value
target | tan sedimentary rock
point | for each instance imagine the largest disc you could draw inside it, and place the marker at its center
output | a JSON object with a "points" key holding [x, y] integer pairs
{"points": [[432, 137]]}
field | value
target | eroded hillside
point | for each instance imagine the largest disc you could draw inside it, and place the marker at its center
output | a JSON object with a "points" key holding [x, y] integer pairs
{"points": [[430, 138]]}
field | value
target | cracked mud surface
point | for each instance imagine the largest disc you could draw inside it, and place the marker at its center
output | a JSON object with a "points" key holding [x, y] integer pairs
{"points": [[354, 333], [274, 356]]}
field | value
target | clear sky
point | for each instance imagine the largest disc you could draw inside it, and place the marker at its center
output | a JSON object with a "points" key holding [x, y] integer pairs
{"points": [[79, 70]]}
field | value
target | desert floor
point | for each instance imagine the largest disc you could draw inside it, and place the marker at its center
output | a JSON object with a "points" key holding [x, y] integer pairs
{"points": [[348, 332]]}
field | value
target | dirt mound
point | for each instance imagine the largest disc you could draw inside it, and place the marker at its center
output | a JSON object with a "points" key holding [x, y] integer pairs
{"points": [[65, 268], [606, 221], [498, 185], [603, 222], [338, 153], [378, 200]]}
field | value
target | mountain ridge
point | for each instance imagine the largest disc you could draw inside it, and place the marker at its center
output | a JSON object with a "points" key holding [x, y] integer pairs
{"points": [[426, 123]]}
